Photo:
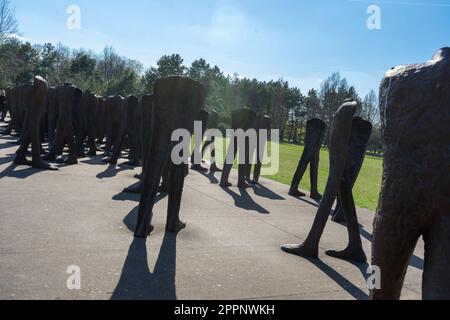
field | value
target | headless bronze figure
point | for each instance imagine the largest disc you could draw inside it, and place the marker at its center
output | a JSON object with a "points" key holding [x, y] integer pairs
{"points": [[241, 119], [144, 126], [315, 131], [262, 123], [338, 183], [68, 98], [177, 102], [415, 194], [34, 98], [361, 132]]}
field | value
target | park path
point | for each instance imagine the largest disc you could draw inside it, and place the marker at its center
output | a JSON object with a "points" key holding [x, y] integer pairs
{"points": [[230, 249]]}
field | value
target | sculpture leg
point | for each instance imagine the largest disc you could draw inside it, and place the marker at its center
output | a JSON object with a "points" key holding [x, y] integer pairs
{"points": [[36, 147], [22, 151], [314, 173], [224, 182], [57, 144], [301, 169], [91, 142], [339, 145], [436, 278], [258, 166], [73, 153], [212, 145], [245, 168], [117, 146], [197, 166], [354, 251], [158, 156], [165, 184], [177, 176], [392, 247]]}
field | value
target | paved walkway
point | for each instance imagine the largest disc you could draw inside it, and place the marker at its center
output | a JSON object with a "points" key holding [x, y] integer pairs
{"points": [[230, 249]]}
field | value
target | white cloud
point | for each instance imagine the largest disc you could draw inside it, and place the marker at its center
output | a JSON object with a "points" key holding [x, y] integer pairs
{"points": [[228, 25], [18, 37]]}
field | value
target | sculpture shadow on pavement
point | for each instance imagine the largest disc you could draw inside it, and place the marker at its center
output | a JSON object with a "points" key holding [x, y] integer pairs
{"points": [[137, 282]]}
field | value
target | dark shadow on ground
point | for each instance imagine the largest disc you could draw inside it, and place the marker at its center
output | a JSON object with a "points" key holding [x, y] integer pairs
{"points": [[245, 201], [264, 192], [343, 282], [23, 172], [137, 282], [210, 175], [415, 262]]}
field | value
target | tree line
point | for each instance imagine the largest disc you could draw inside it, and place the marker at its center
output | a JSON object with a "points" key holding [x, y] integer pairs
{"points": [[108, 73]]}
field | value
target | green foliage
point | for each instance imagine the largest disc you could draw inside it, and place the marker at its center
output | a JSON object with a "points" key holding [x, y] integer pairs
{"points": [[108, 73]]}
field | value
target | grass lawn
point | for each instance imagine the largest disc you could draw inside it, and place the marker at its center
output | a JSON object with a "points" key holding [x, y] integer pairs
{"points": [[366, 190]]}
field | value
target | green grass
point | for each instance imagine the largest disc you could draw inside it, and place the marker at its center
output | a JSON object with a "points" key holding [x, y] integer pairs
{"points": [[366, 190], [367, 187]]}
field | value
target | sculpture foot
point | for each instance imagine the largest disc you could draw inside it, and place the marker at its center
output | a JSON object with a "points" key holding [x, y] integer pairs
{"points": [[148, 232], [92, 153], [41, 165], [244, 185], [70, 161], [197, 167], [349, 254], [316, 196], [301, 250], [225, 184], [297, 194], [177, 227], [256, 182], [138, 176]]}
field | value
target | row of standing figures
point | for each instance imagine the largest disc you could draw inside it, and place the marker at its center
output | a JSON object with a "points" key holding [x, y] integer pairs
{"points": [[414, 199]]}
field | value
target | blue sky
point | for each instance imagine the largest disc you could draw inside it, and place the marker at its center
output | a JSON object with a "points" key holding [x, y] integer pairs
{"points": [[302, 41]]}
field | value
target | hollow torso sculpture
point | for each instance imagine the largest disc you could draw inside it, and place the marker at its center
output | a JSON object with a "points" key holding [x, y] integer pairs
{"points": [[176, 104], [68, 99], [415, 195], [338, 183], [361, 131], [34, 98], [241, 119], [315, 131]]}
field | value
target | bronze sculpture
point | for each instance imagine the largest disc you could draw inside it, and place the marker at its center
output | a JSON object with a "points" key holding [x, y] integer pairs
{"points": [[361, 131], [414, 200], [338, 183], [315, 131], [241, 119], [176, 103], [68, 98], [34, 98]]}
